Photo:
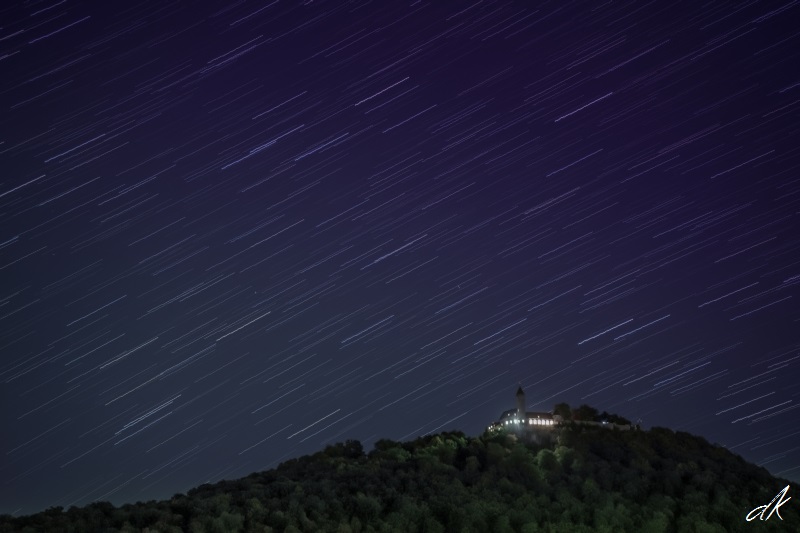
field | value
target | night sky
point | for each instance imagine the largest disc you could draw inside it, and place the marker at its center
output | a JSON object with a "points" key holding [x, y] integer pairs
{"points": [[232, 233]]}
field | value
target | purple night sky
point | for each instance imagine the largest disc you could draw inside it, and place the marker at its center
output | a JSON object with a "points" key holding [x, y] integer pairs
{"points": [[232, 233]]}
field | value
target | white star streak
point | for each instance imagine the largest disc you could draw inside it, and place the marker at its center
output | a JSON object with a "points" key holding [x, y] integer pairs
{"points": [[312, 425]]}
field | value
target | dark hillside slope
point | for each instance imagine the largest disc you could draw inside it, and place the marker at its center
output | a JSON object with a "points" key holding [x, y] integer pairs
{"points": [[585, 480]]}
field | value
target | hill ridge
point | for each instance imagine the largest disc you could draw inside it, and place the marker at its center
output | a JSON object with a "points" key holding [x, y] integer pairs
{"points": [[578, 478]]}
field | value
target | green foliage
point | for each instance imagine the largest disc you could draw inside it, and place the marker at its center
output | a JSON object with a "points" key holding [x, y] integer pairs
{"points": [[586, 413], [592, 479], [613, 419], [563, 410]]}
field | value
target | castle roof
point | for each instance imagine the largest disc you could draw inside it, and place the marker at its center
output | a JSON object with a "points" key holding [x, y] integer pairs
{"points": [[512, 413]]}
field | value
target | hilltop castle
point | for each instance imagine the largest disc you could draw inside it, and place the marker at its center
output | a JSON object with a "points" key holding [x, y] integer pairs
{"points": [[521, 419]]}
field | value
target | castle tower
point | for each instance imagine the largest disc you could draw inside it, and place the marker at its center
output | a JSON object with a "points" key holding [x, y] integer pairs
{"points": [[521, 405]]}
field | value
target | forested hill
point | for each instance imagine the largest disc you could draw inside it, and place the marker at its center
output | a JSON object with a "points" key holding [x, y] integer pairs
{"points": [[586, 479]]}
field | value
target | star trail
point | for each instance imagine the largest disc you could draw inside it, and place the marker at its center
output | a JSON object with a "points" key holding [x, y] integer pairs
{"points": [[235, 232]]}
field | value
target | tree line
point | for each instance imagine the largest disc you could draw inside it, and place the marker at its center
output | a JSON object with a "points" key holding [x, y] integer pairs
{"points": [[585, 479]]}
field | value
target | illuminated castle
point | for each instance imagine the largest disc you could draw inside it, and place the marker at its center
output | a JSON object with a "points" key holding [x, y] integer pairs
{"points": [[521, 419]]}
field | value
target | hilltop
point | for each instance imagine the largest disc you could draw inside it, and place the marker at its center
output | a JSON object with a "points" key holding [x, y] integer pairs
{"points": [[580, 478]]}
